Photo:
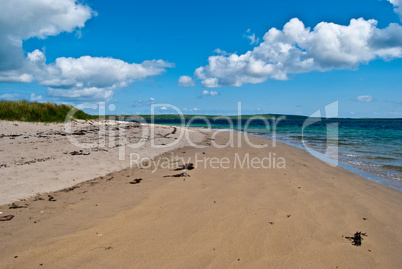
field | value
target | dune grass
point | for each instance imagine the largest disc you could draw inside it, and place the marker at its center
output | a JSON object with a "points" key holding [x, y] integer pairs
{"points": [[39, 112]]}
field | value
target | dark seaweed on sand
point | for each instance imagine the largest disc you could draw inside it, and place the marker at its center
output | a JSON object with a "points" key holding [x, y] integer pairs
{"points": [[357, 238], [187, 166]]}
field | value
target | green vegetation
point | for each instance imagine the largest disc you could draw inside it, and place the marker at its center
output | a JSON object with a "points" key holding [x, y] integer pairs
{"points": [[39, 112]]}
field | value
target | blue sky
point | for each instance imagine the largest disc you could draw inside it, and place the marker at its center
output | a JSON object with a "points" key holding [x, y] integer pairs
{"points": [[133, 53]]}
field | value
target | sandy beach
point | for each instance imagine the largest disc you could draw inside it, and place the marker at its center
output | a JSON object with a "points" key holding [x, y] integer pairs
{"points": [[237, 206], [40, 157]]}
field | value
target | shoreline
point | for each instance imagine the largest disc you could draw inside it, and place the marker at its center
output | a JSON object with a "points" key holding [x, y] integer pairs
{"points": [[71, 181], [388, 182], [215, 217], [366, 175]]}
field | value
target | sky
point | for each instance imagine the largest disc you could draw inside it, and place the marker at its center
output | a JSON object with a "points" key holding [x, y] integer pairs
{"points": [[204, 57]]}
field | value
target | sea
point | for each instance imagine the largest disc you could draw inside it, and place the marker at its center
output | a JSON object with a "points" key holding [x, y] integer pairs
{"points": [[371, 148]]}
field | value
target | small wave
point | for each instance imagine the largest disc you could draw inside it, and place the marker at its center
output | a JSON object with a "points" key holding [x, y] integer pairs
{"points": [[379, 158], [370, 157], [392, 167], [387, 174], [365, 164], [299, 137]]}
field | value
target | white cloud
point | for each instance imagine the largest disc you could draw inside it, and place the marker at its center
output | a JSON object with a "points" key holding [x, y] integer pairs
{"points": [[210, 83], [209, 93], [364, 98], [15, 76], [191, 109], [9, 96], [221, 52], [88, 78], [397, 6], [186, 81], [297, 49], [83, 94], [164, 108], [143, 103], [35, 97], [95, 76], [253, 39], [21, 20]]}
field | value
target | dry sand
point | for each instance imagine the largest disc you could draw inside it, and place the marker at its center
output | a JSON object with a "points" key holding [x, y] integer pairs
{"points": [[295, 216], [38, 157]]}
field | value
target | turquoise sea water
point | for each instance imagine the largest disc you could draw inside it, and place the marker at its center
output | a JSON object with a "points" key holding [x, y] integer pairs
{"points": [[371, 148]]}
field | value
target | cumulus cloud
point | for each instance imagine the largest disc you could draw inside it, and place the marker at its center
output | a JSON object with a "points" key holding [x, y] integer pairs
{"points": [[397, 6], [164, 108], [209, 93], [35, 97], [186, 81], [364, 98], [253, 39], [95, 76], [24, 19], [86, 78], [89, 78], [298, 49]]}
